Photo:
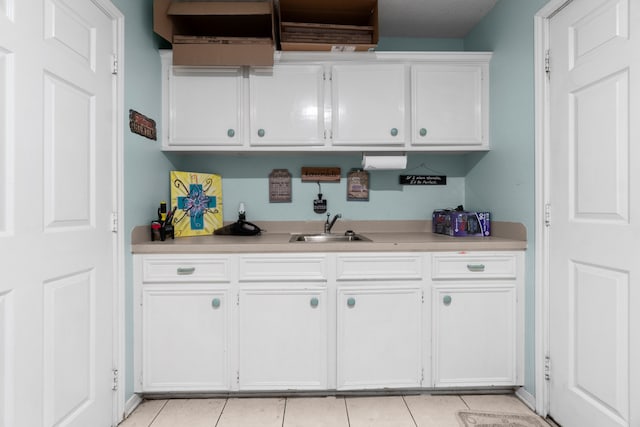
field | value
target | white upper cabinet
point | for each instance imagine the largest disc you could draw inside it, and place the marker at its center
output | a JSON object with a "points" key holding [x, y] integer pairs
{"points": [[316, 101], [368, 104], [203, 107], [287, 105], [449, 105]]}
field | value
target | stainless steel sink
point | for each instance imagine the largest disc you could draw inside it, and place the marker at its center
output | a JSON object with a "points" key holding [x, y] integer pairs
{"points": [[328, 238]]}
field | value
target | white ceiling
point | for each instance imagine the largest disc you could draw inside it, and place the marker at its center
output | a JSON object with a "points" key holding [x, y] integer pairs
{"points": [[430, 18]]}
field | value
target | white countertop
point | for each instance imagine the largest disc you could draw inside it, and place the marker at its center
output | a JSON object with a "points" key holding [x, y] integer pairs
{"points": [[386, 236]]}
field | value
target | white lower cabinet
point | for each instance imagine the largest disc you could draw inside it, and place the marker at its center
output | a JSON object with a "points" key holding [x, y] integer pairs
{"points": [[182, 311], [185, 338], [477, 319], [282, 339], [379, 337], [323, 321]]}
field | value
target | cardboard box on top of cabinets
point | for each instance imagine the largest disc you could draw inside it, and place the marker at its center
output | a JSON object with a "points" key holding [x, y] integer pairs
{"points": [[217, 32], [328, 25]]}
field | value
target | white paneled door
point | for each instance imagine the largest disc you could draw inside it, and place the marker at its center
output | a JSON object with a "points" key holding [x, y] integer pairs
{"points": [[594, 260], [57, 193]]}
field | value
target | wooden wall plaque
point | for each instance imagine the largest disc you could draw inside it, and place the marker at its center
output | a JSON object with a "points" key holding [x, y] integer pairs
{"points": [[326, 174], [279, 186]]}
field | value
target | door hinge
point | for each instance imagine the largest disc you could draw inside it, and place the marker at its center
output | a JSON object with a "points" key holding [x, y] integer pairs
{"points": [[422, 376], [238, 299], [547, 215], [114, 65], [114, 386], [114, 222], [547, 61], [237, 377], [547, 368]]}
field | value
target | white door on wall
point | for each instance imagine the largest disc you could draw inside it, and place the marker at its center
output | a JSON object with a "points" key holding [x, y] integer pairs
{"points": [[594, 262], [57, 193]]}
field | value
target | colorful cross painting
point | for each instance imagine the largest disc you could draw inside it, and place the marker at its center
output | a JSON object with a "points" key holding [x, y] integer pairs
{"points": [[198, 198]]}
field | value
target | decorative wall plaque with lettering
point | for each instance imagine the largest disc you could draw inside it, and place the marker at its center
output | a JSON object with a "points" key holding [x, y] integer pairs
{"points": [[327, 174], [142, 125], [280, 186], [423, 179], [358, 185]]}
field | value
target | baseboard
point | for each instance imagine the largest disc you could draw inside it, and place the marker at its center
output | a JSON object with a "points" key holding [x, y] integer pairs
{"points": [[132, 404], [526, 398]]}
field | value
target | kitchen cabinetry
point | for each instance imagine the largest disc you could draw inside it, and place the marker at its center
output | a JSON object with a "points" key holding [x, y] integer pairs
{"points": [[450, 105], [202, 107], [477, 319], [287, 105], [328, 321], [383, 101], [368, 104], [379, 333], [283, 325], [184, 309]]}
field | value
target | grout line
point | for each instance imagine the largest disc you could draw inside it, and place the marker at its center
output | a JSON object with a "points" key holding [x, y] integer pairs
{"points": [[158, 413], [284, 410], [346, 409], [220, 415], [464, 401], [409, 410]]}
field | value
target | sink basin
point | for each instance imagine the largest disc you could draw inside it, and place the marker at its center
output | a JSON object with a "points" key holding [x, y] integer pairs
{"points": [[328, 238]]}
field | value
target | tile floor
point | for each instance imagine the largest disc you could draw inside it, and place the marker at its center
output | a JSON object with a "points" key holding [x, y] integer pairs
{"points": [[388, 411]]}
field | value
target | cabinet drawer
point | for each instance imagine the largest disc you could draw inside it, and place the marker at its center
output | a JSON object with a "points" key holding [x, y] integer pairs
{"points": [[192, 268], [379, 267], [467, 266], [282, 268]]}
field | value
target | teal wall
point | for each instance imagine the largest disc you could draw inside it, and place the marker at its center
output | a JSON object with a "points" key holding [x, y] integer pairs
{"points": [[503, 179], [145, 166]]}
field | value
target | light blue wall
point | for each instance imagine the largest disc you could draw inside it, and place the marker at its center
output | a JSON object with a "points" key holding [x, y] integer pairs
{"points": [[503, 179], [145, 166]]}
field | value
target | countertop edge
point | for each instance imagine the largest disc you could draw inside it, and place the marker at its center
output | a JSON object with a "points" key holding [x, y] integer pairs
{"points": [[386, 236]]}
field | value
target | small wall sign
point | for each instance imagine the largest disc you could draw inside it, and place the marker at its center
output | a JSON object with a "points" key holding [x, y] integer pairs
{"points": [[328, 174], [423, 179], [279, 186], [142, 125], [358, 185]]}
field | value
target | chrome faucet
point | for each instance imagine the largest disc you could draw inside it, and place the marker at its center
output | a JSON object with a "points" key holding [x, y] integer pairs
{"points": [[329, 225]]}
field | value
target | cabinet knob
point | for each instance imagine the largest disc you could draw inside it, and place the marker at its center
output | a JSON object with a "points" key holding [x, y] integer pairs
{"points": [[231, 133], [446, 300], [215, 303], [260, 133], [394, 132], [351, 302], [185, 271], [475, 267], [314, 302], [423, 132]]}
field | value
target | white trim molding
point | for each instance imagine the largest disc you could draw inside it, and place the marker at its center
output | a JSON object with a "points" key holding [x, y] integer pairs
{"points": [[541, 46]]}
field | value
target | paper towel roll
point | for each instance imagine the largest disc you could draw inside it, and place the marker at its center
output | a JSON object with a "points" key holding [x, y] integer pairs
{"points": [[372, 162]]}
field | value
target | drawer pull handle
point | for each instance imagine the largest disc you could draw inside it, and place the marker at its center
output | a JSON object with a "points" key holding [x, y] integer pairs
{"points": [[423, 132], [351, 302], [261, 133], [446, 300], [394, 132], [231, 133], [475, 267], [314, 302], [215, 303], [185, 271]]}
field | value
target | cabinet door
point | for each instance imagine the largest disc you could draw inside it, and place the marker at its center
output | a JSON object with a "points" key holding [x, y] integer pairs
{"points": [[368, 104], [185, 338], [287, 105], [283, 339], [474, 335], [449, 105], [205, 106], [379, 338]]}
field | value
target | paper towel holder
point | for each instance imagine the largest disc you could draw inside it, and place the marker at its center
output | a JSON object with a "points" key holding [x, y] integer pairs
{"points": [[384, 161]]}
